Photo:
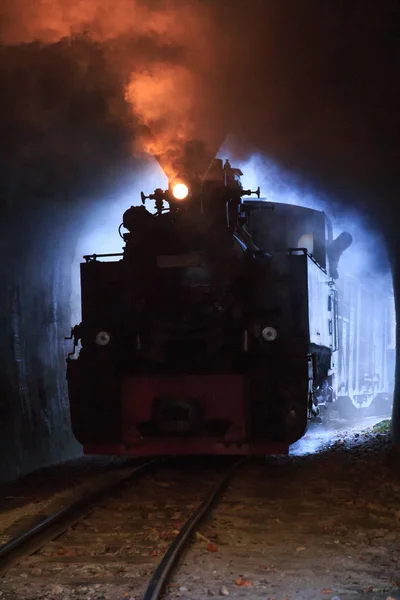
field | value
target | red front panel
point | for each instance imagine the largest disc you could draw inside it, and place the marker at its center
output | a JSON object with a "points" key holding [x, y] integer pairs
{"points": [[221, 396]]}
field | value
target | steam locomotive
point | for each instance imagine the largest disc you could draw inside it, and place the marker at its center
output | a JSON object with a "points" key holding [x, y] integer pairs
{"points": [[216, 331]]}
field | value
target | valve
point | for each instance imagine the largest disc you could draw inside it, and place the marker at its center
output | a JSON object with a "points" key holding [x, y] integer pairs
{"points": [[250, 192], [159, 196]]}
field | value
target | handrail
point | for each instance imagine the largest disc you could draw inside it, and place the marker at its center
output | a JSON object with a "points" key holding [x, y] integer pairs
{"points": [[306, 252], [94, 257]]}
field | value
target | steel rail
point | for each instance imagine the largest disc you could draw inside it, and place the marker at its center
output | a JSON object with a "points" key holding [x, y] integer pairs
{"points": [[52, 526], [163, 571]]}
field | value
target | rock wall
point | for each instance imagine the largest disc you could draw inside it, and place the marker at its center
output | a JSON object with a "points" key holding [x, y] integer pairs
{"points": [[35, 317], [63, 125]]}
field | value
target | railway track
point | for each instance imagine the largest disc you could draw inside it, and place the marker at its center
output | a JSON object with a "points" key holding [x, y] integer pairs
{"points": [[130, 536], [58, 522]]}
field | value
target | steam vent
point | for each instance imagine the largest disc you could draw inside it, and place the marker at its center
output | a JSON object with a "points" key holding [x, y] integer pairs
{"points": [[199, 391]]}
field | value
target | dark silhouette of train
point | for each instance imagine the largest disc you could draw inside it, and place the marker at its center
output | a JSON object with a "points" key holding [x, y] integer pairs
{"points": [[218, 328]]}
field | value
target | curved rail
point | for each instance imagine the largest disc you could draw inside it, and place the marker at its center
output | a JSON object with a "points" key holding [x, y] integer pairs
{"points": [[55, 524], [170, 558]]}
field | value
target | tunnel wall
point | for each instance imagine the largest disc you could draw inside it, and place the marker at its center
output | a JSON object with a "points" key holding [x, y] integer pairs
{"points": [[35, 317], [66, 131], [394, 254]]}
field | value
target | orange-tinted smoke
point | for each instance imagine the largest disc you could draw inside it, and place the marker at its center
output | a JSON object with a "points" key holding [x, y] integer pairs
{"points": [[50, 20], [170, 102], [164, 50]]}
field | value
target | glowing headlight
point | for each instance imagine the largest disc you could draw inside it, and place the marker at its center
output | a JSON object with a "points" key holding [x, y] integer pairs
{"points": [[103, 338], [180, 191], [269, 334]]}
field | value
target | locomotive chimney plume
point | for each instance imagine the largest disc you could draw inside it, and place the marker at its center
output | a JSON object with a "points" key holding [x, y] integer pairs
{"points": [[163, 51]]}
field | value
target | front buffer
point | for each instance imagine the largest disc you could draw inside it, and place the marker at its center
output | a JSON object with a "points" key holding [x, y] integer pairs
{"points": [[164, 415]]}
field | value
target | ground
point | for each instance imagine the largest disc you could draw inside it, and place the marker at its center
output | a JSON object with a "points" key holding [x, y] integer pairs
{"points": [[317, 526], [324, 525]]}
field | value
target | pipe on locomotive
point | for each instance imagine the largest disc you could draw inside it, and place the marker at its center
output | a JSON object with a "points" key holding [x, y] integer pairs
{"points": [[221, 176], [177, 191]]}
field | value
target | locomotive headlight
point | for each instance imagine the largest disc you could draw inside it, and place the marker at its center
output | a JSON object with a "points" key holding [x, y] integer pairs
{"points": [[180, 191], [103, 338], [269, 334]]}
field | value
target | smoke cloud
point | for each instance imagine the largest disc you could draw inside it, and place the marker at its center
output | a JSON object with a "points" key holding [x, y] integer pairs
{"points": [[163, 51], [281, 76]]}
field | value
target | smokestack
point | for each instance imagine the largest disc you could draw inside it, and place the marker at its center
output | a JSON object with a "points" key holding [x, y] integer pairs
{"points": [[193, 158]]}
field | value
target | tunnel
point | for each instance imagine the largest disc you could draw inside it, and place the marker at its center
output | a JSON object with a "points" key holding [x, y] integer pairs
{"points": [[68, 161]]}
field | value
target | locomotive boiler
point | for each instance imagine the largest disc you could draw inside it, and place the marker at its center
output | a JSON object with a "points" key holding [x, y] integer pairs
{"points": [[214, 329]]}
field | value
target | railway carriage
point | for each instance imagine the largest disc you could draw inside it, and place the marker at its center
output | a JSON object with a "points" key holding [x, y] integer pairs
{"points": [[366, 336]]}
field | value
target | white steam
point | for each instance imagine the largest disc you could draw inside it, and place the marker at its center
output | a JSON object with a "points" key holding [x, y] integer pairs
{"points": [[367, 256]]}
